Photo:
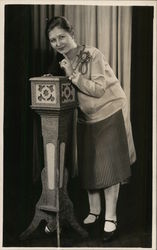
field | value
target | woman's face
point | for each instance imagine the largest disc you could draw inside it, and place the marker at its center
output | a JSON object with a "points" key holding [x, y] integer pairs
{"points": [[61, 40]]}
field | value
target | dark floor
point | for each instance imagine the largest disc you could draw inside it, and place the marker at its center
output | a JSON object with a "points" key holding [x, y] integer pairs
{"points": [[71, 239], [134, 226]]}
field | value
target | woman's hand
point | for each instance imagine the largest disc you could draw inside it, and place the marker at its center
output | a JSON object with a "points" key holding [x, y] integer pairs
{"points": [[66, 65], [47, 75]]}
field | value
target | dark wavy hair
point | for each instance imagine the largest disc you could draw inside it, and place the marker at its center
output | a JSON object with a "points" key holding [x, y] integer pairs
{"points": [[61, 22]]}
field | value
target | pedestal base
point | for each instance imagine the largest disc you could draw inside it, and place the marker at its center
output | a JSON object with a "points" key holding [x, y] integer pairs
{"points": [[66, 213]]}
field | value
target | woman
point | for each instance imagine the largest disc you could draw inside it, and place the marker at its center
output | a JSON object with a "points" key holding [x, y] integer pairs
{"points": [[105, 144]]}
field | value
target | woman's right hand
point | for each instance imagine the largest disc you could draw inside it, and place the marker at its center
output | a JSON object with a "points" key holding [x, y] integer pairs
{"points": [[66, 65]]}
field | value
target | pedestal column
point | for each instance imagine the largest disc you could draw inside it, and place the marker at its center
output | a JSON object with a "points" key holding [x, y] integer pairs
{"points": [[54, 99]]}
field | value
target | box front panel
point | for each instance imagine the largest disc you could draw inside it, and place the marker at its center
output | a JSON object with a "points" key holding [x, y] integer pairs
{"points": [[45, 93]]}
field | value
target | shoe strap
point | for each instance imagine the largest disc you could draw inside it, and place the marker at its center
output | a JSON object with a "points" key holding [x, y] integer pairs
{"points": [[113, 221], [96, 215]]}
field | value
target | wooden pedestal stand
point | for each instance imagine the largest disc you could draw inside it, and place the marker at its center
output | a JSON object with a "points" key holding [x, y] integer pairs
{"points": [[54, 99]]}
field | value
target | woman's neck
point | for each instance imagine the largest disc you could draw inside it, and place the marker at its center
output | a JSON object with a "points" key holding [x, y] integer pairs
{"points": [[73, 52]]}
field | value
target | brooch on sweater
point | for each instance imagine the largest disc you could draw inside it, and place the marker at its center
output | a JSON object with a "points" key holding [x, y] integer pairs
{"points": [[83, 60]]}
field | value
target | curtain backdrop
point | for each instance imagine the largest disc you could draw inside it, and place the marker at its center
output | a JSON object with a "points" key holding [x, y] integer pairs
{"points": [[105, 27]]}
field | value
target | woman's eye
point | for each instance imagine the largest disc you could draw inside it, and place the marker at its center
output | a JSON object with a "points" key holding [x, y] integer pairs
{"points": [[61, 37], [52, 41]]}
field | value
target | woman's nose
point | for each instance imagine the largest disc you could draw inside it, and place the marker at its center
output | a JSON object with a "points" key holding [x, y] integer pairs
{"points": [[57, 42]]}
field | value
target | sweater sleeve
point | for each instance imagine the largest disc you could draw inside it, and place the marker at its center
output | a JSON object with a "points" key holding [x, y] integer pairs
{"points": [[96, 85]]}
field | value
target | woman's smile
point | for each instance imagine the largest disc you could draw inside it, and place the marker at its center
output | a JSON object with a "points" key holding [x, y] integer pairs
{"points": [[60, 49]]}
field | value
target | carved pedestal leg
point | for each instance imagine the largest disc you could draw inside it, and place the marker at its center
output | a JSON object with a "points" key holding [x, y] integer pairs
{"points": [[41, 209]]}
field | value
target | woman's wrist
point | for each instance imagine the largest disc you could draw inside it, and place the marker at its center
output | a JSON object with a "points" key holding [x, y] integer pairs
{"points": [[72, 75]]}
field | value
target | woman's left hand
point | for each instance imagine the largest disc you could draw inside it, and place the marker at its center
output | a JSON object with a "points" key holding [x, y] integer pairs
{"points": [[66, 65]]}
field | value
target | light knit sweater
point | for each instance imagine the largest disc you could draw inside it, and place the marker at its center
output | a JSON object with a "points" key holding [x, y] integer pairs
{"points": [[99, 91]]}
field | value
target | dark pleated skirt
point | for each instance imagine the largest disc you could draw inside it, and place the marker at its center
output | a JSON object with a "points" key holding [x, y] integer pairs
{"points": [[103, 155]]}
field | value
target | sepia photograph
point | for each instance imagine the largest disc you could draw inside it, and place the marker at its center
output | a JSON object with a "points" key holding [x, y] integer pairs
{"points": [[78, 124]]}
